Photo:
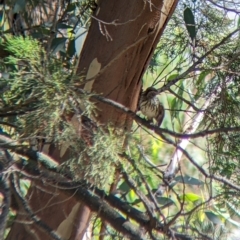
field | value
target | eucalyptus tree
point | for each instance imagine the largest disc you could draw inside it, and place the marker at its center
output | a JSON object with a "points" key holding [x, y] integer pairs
{"points": [[78, 158]]}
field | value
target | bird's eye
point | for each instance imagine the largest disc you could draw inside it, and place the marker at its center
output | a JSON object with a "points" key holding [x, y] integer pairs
{"points": [[151, 94]]}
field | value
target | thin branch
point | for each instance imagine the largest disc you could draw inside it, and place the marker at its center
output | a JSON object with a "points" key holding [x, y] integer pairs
{"points": [[116, 21], [147, 204], [151, 196], [210, 176], [197, 119], [184, 100], [199, 61], [235, 10], [15, 146], [156, 129], [98, 201]]}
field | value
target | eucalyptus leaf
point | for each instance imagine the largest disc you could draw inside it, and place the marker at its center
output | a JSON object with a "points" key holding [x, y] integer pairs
{"points": [[172, 77], [190, 23], [188, 180], [19, 6], [71, 48], [191, 197], [214, 218], [165, 201], [124, 187], [58, 44], [63, 26], [80, 39], [71, 7]]}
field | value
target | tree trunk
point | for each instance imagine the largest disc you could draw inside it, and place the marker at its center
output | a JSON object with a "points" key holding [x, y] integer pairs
{"points": [[118, 48], [116, 53]]}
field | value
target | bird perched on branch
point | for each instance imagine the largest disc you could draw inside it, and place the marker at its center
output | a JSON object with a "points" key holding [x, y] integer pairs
{"points": [[150, 105]]}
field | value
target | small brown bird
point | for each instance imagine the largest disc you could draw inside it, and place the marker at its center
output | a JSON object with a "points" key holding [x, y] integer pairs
{"points": [[150, 105]]}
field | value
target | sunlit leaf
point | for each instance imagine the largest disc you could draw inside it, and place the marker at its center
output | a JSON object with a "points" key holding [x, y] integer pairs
{"points": [[173, 103], [131, 195], [24, 186], [201, 215], [155, 146], [172, 77], [191, 197]]}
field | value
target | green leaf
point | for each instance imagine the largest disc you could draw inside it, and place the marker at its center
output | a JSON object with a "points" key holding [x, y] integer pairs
{"points": [[174, 106], [80, 39], [63, 26], [19, 6], [191, 197], [238, 22], [24, 186], [131, 196], [233, 209], [180, 93], [188, 180], [137, 201], [190, 23], [124, 187], [214, 218], [58, 44], [174, 103], [202, 77], [165, 201], [71, 7], [172, 77], [71, 48]]}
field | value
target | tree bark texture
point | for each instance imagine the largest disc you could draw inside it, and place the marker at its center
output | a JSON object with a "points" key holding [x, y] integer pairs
{"points": [[118, 48], [119, 45]]}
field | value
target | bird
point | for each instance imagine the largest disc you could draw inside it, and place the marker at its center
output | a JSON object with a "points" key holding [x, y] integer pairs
{"points": [[150, 106]]}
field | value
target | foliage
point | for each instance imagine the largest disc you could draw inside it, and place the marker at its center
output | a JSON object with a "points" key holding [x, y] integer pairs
{"points": [[95, 162], [44, 92], [196, 62], [215, 76], [36, 86]]}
